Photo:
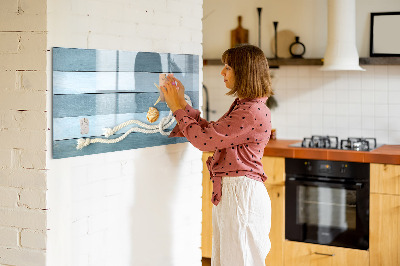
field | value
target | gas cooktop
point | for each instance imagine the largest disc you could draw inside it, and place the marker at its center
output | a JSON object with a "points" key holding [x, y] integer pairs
{"points": [[332, 142]]}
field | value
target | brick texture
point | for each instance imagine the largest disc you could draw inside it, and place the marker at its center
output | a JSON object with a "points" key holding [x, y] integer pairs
{"points": [[8, 197], [33, 199], [18, 256], [9, 237], [23, 125], [23, 178], [33, 239], [23, 218]]}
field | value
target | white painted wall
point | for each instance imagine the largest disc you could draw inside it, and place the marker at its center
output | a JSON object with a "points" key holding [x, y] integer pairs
{"points": [[311, 102], [134, 207], [304, 18]]}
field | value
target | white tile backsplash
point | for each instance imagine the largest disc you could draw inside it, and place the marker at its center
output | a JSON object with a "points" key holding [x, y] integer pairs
{"points": [[394, 110], [343, 103], [381, 110], [381, 96], [380, 71], [329, 109], [367, 96], [304, 82], [394, 97], [394, 136], [367, 110], [381, 83], [292, 83]]}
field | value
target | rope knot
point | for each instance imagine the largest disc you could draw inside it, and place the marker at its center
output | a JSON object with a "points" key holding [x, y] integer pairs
{"points": [[82, 143], [164, 124], [108, 132]]}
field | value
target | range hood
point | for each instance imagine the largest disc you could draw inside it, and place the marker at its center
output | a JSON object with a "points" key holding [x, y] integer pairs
{"points": [[341, 51]]}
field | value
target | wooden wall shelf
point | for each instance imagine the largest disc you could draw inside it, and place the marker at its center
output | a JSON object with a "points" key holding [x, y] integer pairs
{"points": [[274, 63], [380, 61]]}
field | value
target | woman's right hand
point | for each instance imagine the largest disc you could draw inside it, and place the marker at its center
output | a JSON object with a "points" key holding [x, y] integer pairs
{"points": [[181, 89]]}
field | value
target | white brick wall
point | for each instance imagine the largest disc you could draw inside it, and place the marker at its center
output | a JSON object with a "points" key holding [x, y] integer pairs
{"points": [[23, 128], [33, 239], [9, 237], [99, 207], [8, 197], [134, 207]]}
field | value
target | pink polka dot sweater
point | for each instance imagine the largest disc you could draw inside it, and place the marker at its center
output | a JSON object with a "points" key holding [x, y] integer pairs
{"points": [[238, 139]]}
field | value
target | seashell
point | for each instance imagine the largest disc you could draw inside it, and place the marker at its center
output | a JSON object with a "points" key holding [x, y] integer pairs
{"points": [[161, 97], [152, 114]]}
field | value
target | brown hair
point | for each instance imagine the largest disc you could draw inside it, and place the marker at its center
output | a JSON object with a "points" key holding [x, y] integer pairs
{"points": [[250, 66]]}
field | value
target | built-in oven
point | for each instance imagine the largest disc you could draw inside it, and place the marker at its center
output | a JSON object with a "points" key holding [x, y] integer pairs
{"points": [[327, 202]]}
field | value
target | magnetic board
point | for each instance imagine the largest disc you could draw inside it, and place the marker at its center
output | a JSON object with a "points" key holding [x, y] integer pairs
{"points": [[94, 89]]}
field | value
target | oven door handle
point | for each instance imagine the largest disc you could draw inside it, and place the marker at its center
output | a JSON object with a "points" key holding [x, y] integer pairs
{"points": [[357, 185]]}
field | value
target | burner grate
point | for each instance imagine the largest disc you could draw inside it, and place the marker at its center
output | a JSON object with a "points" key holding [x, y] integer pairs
{"points": [[332, 142], [358, 144], [327, 142]]}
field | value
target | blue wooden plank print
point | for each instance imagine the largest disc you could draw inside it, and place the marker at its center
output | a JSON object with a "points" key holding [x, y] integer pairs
{"points": [[106, 82], [97, 89], [107, 60], [67, 148], [67, 105], [70, 127]]}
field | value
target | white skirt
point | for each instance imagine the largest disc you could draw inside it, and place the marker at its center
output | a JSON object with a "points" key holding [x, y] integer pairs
{"points": [[241, 223]]}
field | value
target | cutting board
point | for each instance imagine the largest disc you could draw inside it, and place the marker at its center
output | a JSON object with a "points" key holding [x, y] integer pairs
{"points": [[239, 35]]}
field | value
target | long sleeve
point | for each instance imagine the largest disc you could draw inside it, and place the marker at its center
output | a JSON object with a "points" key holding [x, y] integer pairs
{"points": [[193, 113], [231, 130], [238, 140]]}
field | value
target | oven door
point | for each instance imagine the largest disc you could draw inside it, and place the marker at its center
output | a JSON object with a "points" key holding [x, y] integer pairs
{"points": [[327, 213]]}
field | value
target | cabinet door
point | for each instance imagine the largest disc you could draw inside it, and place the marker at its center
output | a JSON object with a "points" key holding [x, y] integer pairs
{"points": [[385, 178], [206, 232], [277, 233], [384, 230], [304, 254], [274, 168]]}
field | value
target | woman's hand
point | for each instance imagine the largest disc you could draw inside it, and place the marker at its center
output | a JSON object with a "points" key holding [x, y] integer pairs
{"points": [[174, 91], [181, 89]]}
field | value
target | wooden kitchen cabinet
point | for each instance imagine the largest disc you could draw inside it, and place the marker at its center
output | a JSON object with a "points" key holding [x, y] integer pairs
{"points": [[274, 168], [305, 254], [385, 178], [277, 233], [206, 225], [385, 215], [384, 236]]}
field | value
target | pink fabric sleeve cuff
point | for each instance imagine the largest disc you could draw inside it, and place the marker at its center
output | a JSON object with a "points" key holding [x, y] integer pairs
{"points": [[190, 111]]}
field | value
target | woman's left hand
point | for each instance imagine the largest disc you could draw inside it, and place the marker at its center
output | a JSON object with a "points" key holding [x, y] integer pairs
{"points": [[170, 91]]}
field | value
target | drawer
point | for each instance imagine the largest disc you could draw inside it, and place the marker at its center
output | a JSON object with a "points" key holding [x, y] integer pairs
{"points": [[298, 253]]}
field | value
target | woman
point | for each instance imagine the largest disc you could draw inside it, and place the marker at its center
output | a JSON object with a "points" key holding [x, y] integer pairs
{"points": [[242, 208]]}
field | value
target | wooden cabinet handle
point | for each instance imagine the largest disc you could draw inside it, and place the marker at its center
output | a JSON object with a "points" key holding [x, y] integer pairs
{"points": [[324, 254]]}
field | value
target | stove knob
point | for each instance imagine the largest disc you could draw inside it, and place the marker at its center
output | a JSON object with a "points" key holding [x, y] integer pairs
{"points": [[343, 168], [308, 166]]}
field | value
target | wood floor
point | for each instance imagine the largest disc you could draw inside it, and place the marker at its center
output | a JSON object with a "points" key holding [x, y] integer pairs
{"points": [[206, 261]]}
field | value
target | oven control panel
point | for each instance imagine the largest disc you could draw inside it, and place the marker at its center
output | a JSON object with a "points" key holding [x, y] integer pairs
{"points": [[338, 169]]}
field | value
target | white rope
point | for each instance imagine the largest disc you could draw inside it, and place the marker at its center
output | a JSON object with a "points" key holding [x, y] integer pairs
{"points": [[164, 124]]}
